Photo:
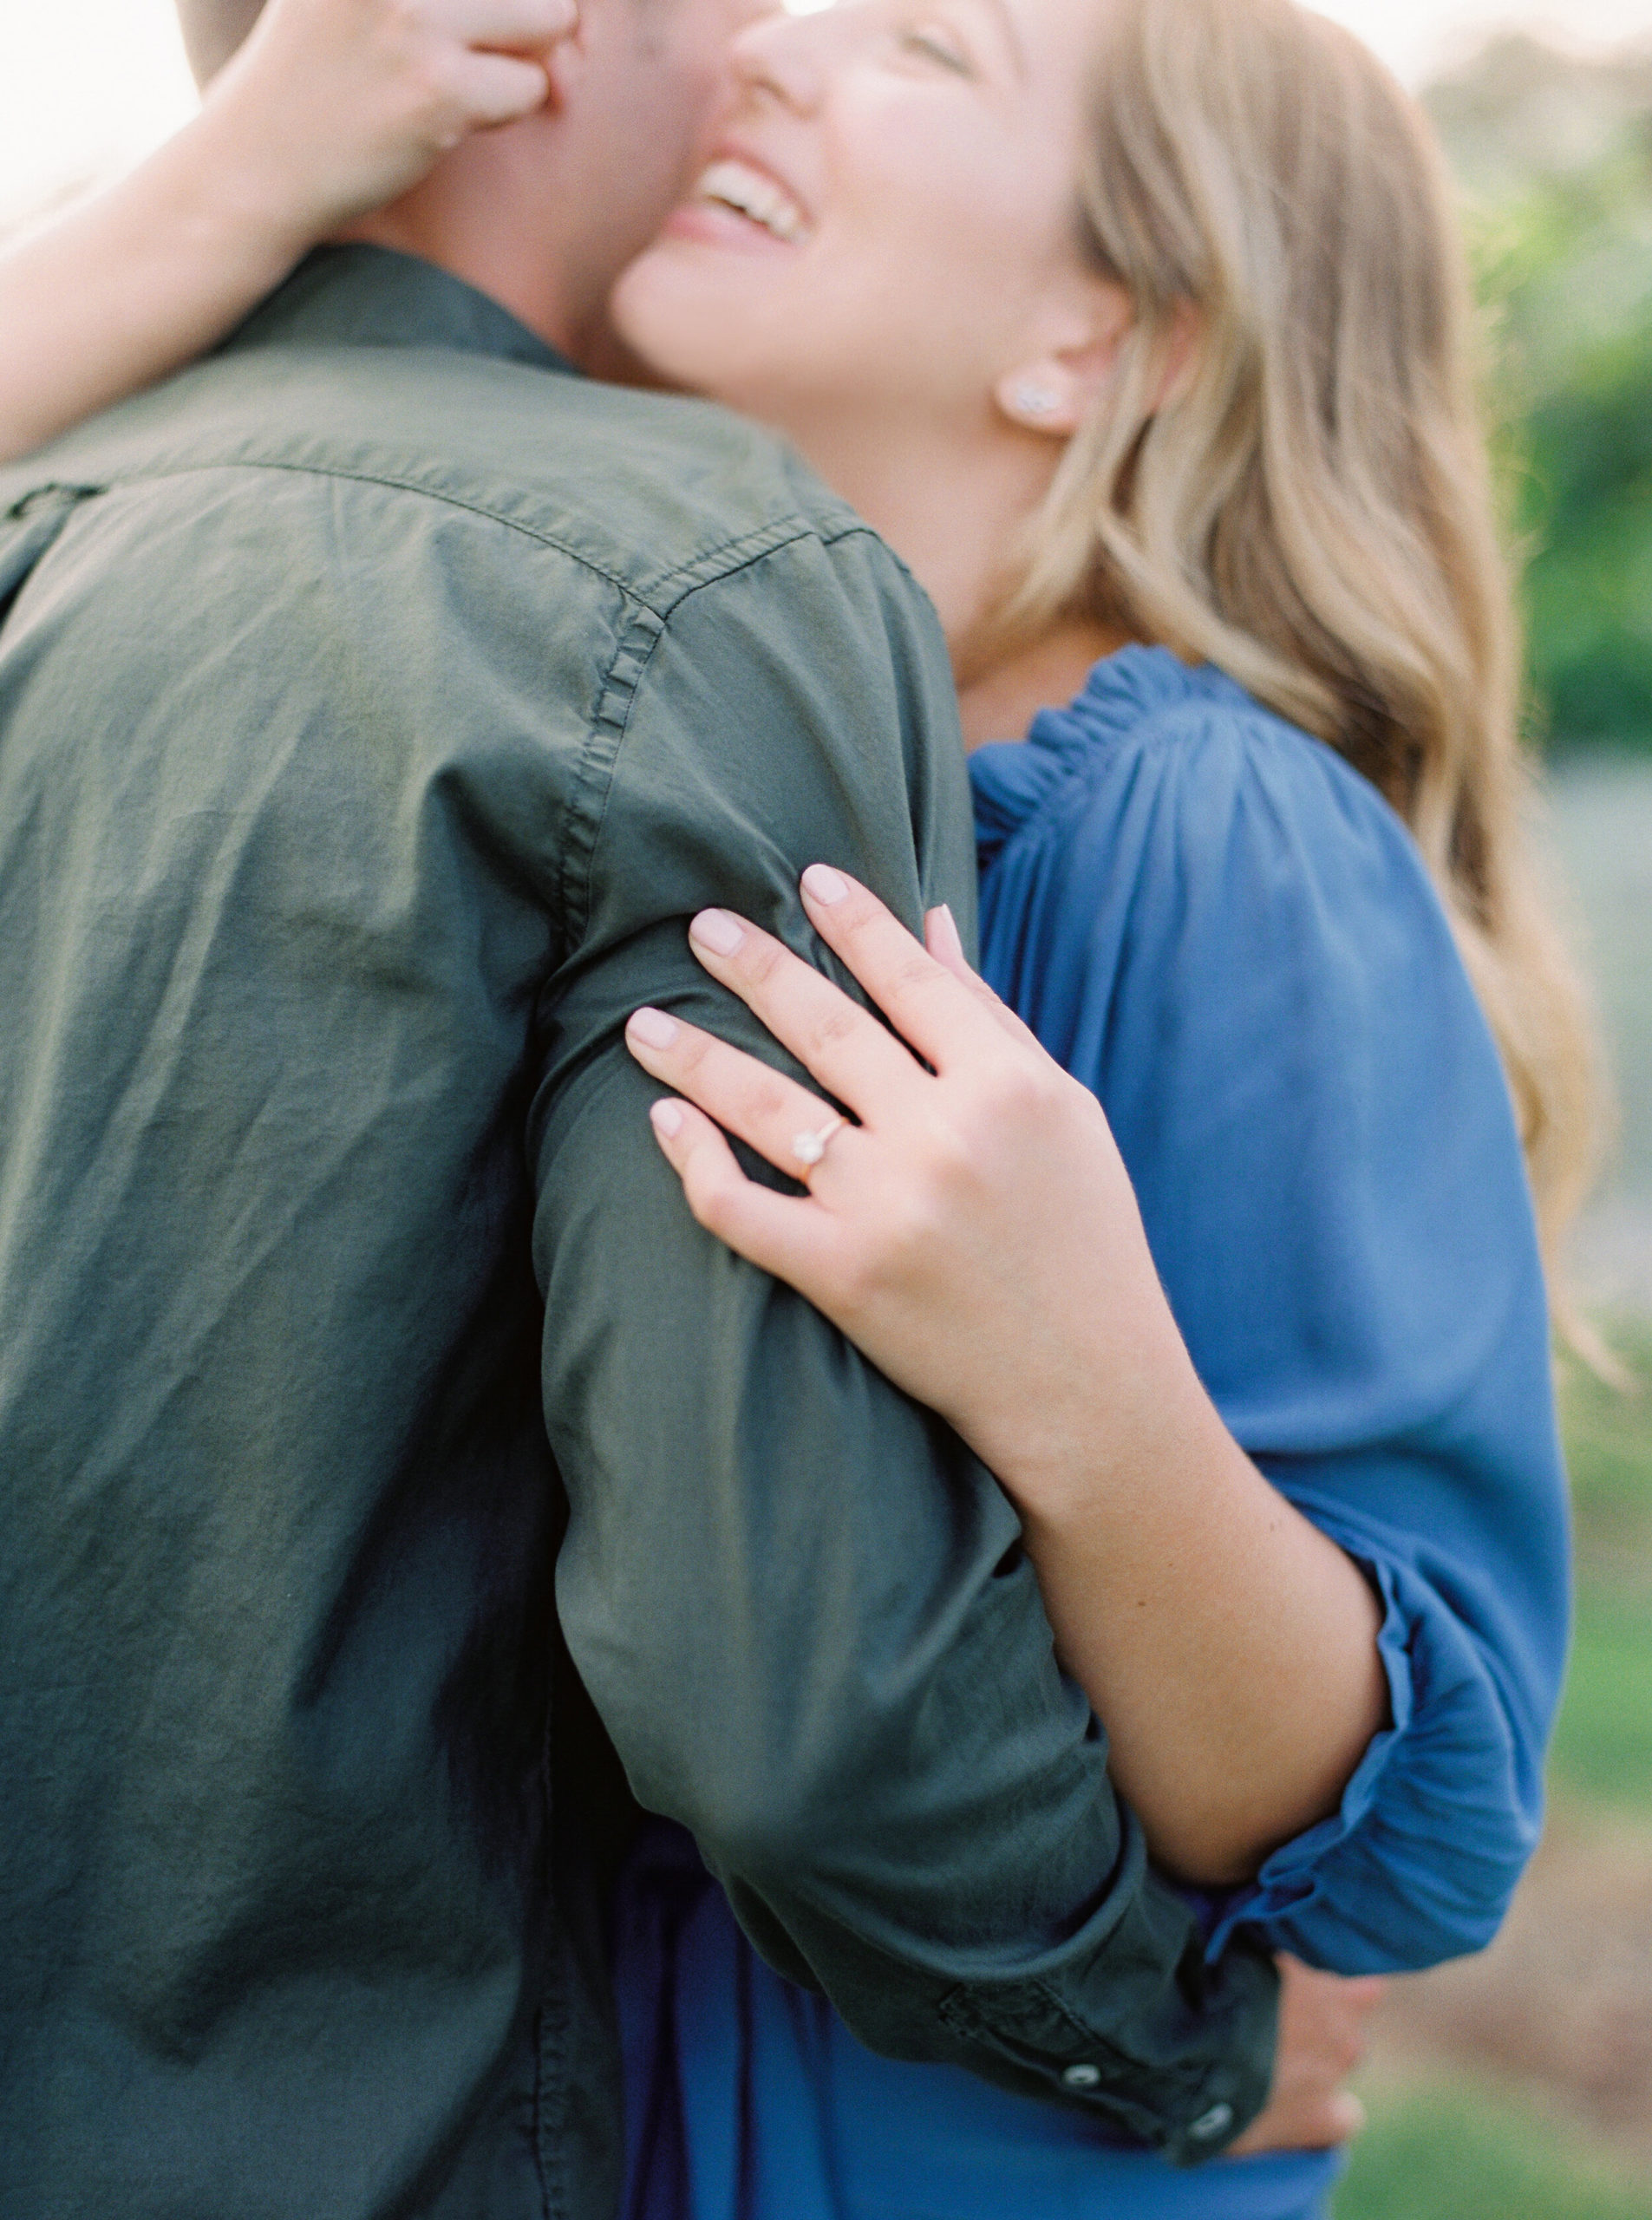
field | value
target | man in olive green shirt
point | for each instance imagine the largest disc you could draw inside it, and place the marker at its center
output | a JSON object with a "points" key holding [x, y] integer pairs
{"points": [[377, 700]]}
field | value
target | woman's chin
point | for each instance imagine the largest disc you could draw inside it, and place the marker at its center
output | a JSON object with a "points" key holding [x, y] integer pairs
{"points": [[692, 308]]}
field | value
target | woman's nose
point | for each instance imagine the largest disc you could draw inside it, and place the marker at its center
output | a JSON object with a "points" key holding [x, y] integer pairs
{"points": [[780, 56]]}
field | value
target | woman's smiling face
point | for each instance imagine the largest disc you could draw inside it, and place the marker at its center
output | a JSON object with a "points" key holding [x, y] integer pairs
{"points": [[888, 219]]}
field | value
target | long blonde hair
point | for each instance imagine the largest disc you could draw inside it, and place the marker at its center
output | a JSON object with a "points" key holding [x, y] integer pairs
{"points": [[1311, 508]]}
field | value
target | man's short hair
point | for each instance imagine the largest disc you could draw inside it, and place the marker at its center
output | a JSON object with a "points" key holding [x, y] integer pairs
{"points": [[212, 29]]}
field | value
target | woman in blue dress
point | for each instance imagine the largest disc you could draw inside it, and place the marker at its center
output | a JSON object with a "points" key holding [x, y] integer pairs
{"points": [[1238, 671], [1136, 326]]}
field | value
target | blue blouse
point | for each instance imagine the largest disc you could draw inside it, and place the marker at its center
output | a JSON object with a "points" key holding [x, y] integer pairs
{"points": [[1225, 931]]}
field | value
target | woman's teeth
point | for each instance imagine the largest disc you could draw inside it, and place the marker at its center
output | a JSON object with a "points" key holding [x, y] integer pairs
{"points": [[751, 193]]}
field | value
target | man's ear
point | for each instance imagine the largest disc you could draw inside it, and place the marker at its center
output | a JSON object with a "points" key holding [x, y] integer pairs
{"points": [[1055, 389]]}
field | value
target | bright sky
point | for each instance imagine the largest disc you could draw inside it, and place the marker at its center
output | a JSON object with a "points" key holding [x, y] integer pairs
{"points": [[87, 84]]}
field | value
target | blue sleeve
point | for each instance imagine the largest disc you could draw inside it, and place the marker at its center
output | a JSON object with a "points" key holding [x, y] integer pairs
{"points": [[1230, 937]]}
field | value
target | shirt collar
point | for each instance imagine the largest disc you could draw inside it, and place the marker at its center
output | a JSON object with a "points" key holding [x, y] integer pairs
{"points": [[360, 296]]}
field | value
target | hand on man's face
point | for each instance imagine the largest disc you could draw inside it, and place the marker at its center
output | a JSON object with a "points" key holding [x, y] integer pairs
{"points": [[334, 108]]}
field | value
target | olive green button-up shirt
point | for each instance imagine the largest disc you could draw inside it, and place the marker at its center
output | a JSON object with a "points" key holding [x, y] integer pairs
{"points": [[377, 700]]}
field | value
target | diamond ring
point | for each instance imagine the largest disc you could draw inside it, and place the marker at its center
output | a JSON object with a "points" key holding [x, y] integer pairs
{"points": [[809, 1148]]}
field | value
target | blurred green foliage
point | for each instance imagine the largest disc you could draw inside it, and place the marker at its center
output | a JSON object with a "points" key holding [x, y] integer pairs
{"points": [[1609, 1454], [1556, 158], [1603, 1744], [1464, 2154]]}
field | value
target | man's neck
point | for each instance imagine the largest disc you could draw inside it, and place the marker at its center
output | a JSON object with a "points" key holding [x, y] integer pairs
{"points": [[530, 296], [487, 215]]}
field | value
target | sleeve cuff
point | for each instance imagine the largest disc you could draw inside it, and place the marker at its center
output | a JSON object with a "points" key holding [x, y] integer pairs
{"points": [[1188, 2109]]}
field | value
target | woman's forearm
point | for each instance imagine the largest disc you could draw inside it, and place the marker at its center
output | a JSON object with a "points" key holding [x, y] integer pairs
{"points": [[131, 284], [1229, 1646], [331, 108]]}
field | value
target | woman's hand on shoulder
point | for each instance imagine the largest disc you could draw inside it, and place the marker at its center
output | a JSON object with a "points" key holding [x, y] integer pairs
{"points": [[333, 107], [971, 1227], [973, 1230]]}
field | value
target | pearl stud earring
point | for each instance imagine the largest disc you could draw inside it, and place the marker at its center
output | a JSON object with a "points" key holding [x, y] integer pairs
{"points": [[1030, 400]]}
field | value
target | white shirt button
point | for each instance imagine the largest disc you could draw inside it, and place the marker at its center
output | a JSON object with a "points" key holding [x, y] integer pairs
{"points": [[1215, 2122], [1082, 2077]]}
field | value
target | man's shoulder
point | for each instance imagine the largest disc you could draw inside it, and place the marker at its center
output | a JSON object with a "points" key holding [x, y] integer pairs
{"points": [[658, 492]]}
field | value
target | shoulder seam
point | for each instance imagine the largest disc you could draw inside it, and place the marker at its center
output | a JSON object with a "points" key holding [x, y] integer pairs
{"points": [[593, 783], [720, 560], [586, 806]]}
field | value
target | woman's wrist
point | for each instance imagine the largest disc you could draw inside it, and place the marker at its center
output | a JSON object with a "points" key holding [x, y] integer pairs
{"points": [[1106, 1410], [236, 201]]}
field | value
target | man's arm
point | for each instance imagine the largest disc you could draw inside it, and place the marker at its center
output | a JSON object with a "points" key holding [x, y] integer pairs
{"points": [[799, 1604]]}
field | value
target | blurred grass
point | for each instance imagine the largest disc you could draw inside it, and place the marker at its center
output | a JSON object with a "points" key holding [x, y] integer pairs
{"points": [[1603, 1744], [1609, 1452], [1465, 2153], [1457, 2148]]}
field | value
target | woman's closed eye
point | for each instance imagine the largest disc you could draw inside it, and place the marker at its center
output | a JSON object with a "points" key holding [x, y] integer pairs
{"points": [[935, 43]]}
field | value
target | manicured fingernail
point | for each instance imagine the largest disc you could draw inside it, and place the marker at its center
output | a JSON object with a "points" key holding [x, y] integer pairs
{"points": [[947, 935], [717, 930], [666, 1118], [653, 1028], [824, 884]]}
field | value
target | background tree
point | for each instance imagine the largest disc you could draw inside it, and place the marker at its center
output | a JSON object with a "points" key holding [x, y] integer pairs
{"points": [[1555, 155]]}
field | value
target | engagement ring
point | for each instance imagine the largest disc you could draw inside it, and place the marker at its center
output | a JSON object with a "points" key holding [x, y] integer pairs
{"points": [[809, 1148]]}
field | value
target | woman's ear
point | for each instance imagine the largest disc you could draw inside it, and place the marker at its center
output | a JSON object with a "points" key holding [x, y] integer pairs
{"points": [[1054, 391]]}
